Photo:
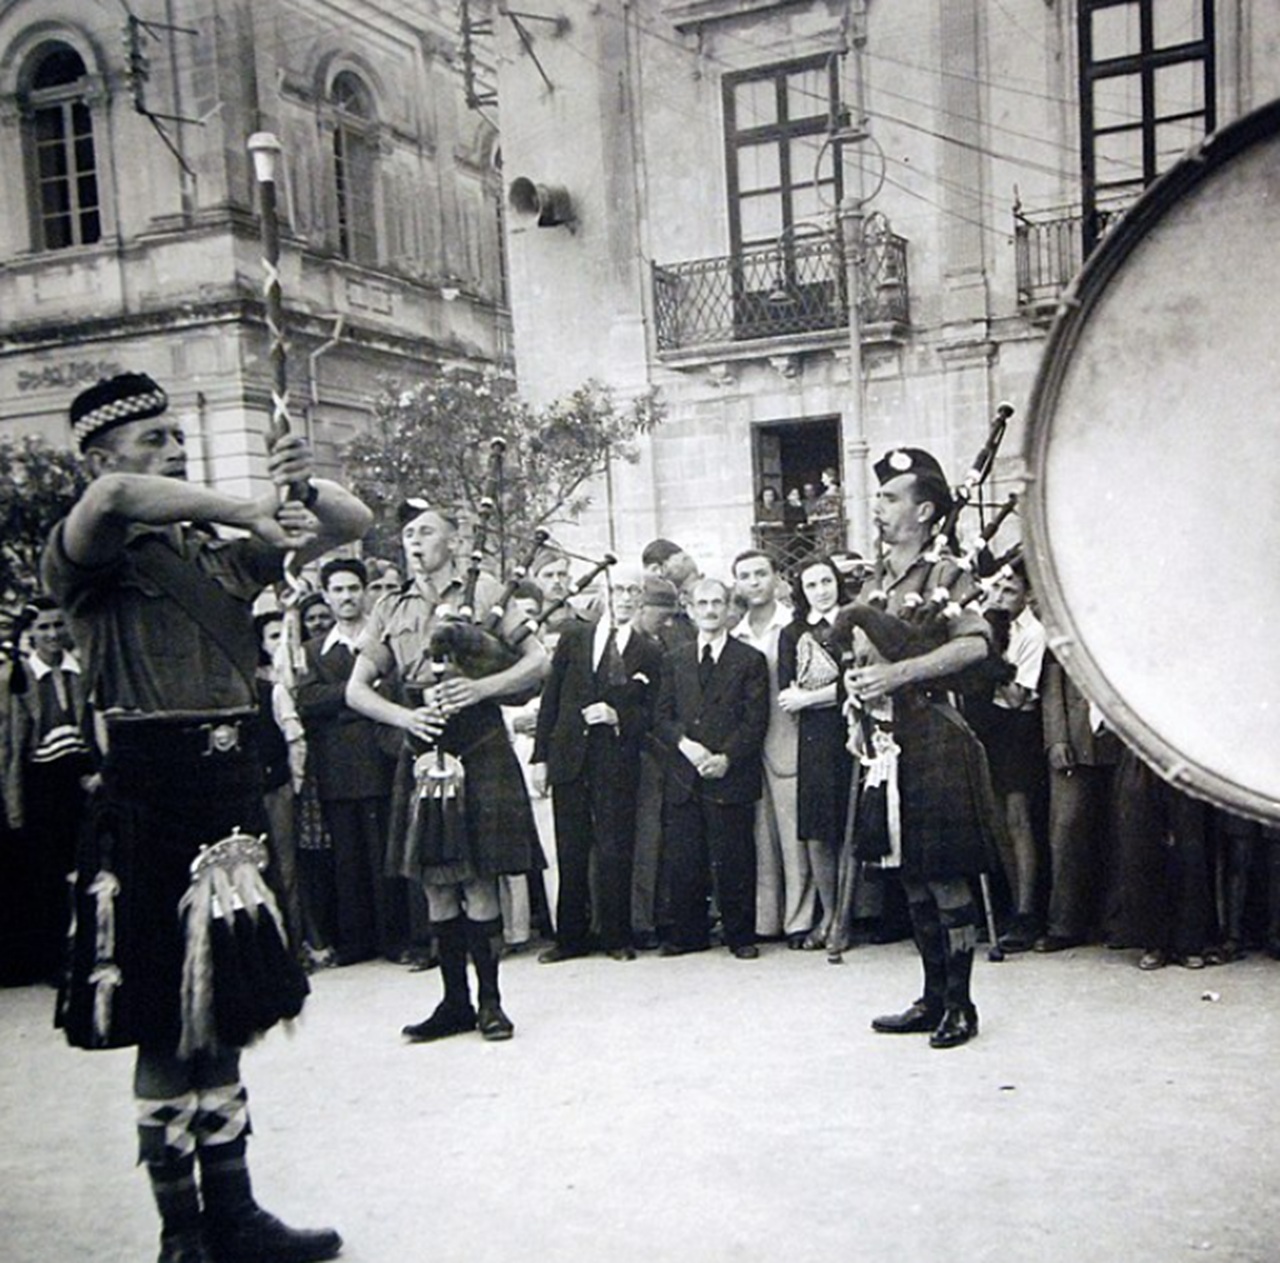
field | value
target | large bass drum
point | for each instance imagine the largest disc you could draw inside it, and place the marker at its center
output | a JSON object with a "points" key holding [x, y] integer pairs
{"points": [[1152, 509]]}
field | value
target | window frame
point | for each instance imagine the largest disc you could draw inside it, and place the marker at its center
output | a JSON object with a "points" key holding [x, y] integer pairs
{"points": [[354, 155], [783, 131], [1144, 64], [70, 103]]}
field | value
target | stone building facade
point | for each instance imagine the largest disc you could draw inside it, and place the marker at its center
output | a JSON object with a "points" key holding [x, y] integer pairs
{"points": [[129, 232], [823, 228]]}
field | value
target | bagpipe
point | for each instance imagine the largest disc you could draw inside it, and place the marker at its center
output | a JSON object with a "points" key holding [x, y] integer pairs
{"points": [[477, 644], [924, 622], [481, 643]]}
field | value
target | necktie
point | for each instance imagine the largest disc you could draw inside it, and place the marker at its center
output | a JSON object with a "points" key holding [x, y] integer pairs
{"points": [[60, 690], [608, 655], [706, 666]]}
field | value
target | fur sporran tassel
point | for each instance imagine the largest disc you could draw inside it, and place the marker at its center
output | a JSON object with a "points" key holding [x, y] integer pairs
{"points": [[237, 977], [104, 888], [437, 813], [104, 980]]}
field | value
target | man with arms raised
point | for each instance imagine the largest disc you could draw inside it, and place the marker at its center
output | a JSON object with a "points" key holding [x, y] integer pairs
{"points": [[160, 607]]}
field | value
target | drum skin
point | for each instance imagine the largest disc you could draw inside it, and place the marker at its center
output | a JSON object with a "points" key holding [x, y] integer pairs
{"points": [[1152, 507]]}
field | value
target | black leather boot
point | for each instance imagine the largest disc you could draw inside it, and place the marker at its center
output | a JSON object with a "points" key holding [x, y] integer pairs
{"points": [[958, 1026], [253, 1235], [454, 1014], [924, 1015], [184, 1246], [920, 1019]]}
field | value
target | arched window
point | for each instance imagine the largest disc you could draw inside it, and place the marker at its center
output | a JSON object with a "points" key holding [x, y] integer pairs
{"points": [[63, 165], [354, 150]]}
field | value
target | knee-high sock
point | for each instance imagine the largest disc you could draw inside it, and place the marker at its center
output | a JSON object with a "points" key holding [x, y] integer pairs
{"points": [[926, 929], [222, 1127], [483, 938], [451, 946], [960, 924], [167, 1145]]}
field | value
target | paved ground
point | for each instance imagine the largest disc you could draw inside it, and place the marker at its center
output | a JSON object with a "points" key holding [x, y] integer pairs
{"points": [[706, 1110]]}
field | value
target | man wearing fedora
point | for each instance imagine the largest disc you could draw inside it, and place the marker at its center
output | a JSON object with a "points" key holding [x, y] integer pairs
{"points": [[160, 606]]}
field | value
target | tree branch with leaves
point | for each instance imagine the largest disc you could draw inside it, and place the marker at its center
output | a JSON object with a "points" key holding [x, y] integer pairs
{"points": [[432, 439], [38, 485]]}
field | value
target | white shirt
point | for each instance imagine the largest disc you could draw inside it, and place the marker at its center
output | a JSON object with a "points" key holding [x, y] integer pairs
{"points": [[1026, 652], [765, 640], [717, 643], [621, 638], [337, 636]]}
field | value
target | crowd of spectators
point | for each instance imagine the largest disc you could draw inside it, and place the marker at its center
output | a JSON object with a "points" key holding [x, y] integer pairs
{"points": [[1094, 847]]}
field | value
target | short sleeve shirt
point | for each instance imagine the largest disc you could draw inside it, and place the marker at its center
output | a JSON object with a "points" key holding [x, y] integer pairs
{"points": [[144, 653], [398, 634]]}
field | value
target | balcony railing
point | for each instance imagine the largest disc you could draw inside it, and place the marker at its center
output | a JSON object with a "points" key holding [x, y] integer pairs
{"points": [[775, 291], [1049, 251]]}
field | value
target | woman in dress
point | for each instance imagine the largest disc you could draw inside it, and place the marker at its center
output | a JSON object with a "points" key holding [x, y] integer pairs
{"points": [[808, 677]]}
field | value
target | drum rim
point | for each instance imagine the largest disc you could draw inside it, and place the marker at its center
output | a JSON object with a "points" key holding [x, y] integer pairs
{"points": [[1075, 309]]}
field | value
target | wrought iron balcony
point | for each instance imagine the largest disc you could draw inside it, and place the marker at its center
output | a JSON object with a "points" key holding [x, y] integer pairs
{"points": [[795, 286], [1049, 250]]}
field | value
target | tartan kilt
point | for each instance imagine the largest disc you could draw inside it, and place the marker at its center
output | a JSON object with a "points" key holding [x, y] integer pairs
{"points": [[499, 835], [949, 819], [163, 796]]}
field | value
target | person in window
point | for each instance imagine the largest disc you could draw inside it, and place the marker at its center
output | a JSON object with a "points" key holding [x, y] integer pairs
{"points": [[826, 516], [793, 510], [769, 508]]}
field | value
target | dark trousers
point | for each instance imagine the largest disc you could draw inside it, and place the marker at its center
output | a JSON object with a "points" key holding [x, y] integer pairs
{"points": [[706, 843], [595, 816], [358, 830], [1079, 814], [1163, 887]]}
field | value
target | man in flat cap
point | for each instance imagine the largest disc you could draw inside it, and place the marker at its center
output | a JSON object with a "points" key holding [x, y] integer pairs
{"points": [[926, 809], [160, 606]]}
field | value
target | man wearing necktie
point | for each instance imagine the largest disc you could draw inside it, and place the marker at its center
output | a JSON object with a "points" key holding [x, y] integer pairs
{"points": [[596, 708], [713, 712], [353, 776]]}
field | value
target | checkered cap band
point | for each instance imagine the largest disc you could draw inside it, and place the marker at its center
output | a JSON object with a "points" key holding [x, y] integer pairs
{"points": [[115, 401]]}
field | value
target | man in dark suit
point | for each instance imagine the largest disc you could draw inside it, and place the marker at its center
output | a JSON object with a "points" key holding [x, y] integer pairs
{"points": [[596, 707], [713, 712], [353, 775]]}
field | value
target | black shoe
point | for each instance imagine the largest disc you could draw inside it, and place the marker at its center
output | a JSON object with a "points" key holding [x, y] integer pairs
{"points": [[494, 1023], [919, 1019], [446, 1020], [254, 1236], [746, 951], [558, 952], [621, 953], [186, 1246], [646, 940], [680, 949], [958, 1026], [1019, 937], [1055, 943]]}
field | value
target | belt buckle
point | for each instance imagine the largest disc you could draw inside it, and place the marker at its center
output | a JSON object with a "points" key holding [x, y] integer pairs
{"points": [[221, 738]]}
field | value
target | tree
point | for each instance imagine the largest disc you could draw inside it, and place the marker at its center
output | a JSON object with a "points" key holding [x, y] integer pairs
{"points": [[434, 440], [38, 485]]}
